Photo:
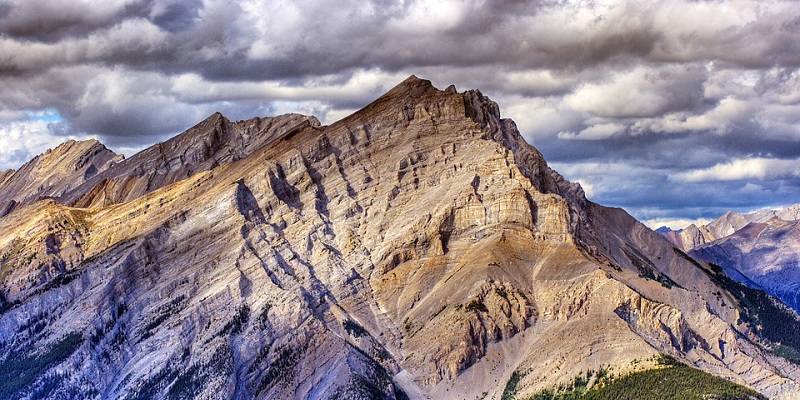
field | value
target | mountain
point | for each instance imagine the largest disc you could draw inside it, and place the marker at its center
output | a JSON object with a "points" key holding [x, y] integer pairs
{"points": [[212, 142], [694, 236], [760, 249], [418, 248], [54, 173]]}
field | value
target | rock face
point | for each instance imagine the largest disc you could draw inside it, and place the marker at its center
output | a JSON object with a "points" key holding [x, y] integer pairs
{"points": [[693, 236], [418, 248], [210, 143], [760, 249], [54, 173]]}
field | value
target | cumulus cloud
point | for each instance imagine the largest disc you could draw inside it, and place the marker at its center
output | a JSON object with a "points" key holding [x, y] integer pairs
{"points": [[749, 168], [595, 132], [675, 223], [21, 139], [677, 92], [640, 92]]}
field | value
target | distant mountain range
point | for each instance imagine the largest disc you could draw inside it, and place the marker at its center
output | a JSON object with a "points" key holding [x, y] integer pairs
{"points": [[416, 249], [760, 249]]}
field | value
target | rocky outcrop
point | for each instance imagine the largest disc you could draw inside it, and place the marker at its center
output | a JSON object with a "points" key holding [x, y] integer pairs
{"points": [[418, 247], [54, 173], [212, 142]]}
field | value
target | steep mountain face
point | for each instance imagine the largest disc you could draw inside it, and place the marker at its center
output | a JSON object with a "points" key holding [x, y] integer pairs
{"points": [[418, 248], [210, 143], [760, 249], [54, 173], [762, 255]]}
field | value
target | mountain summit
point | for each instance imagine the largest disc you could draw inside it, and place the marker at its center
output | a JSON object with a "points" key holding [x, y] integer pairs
{"points": [[54, 173], [418, 248]]}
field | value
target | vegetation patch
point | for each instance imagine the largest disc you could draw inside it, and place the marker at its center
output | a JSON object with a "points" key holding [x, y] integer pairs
{"points": [[408, 326], [6, 305], [281, 370], [511, 386], [150, 388], [190, 383], [354, 329], [58, 281], [34, 325], [183, 383], [476, 305], [501, 292], [163, 313], [236, 325], [375, 383], [100, 332], [263, 316], [674, 381], [21, 369], [358, 387]]}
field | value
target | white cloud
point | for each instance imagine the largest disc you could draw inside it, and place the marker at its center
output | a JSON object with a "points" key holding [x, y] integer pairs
{"points": [[540, 117], [752, 188], [674, 223], [27, 15], [721, 119], [747, 168], [136, 36], [24, 140], [640, 92], [539, 81], [424, 17], [595, 132], [12, 115], [193, 88]]}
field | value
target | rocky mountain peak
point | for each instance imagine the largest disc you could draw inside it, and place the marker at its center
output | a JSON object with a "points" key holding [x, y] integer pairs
{"points": [[412, 87], [55, 172], [212, 142], [417, 100]]}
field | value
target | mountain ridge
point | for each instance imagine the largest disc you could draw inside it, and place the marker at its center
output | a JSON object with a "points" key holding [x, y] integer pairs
{"points": [[694, 236], [418, 245], [213, 141], [759, 249], [54, 172]]}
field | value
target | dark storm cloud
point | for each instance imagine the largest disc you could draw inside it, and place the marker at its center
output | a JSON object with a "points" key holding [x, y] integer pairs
{"points": [[666, 94], [178, 16]]}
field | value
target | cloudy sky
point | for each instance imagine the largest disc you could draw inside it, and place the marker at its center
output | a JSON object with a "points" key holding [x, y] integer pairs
{"points": [[675, 110]]}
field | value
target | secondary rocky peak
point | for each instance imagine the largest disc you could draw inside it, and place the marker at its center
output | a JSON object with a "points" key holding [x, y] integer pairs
{"points": [[55, 172], [212, 142], [693, 236], [412, 86]]}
